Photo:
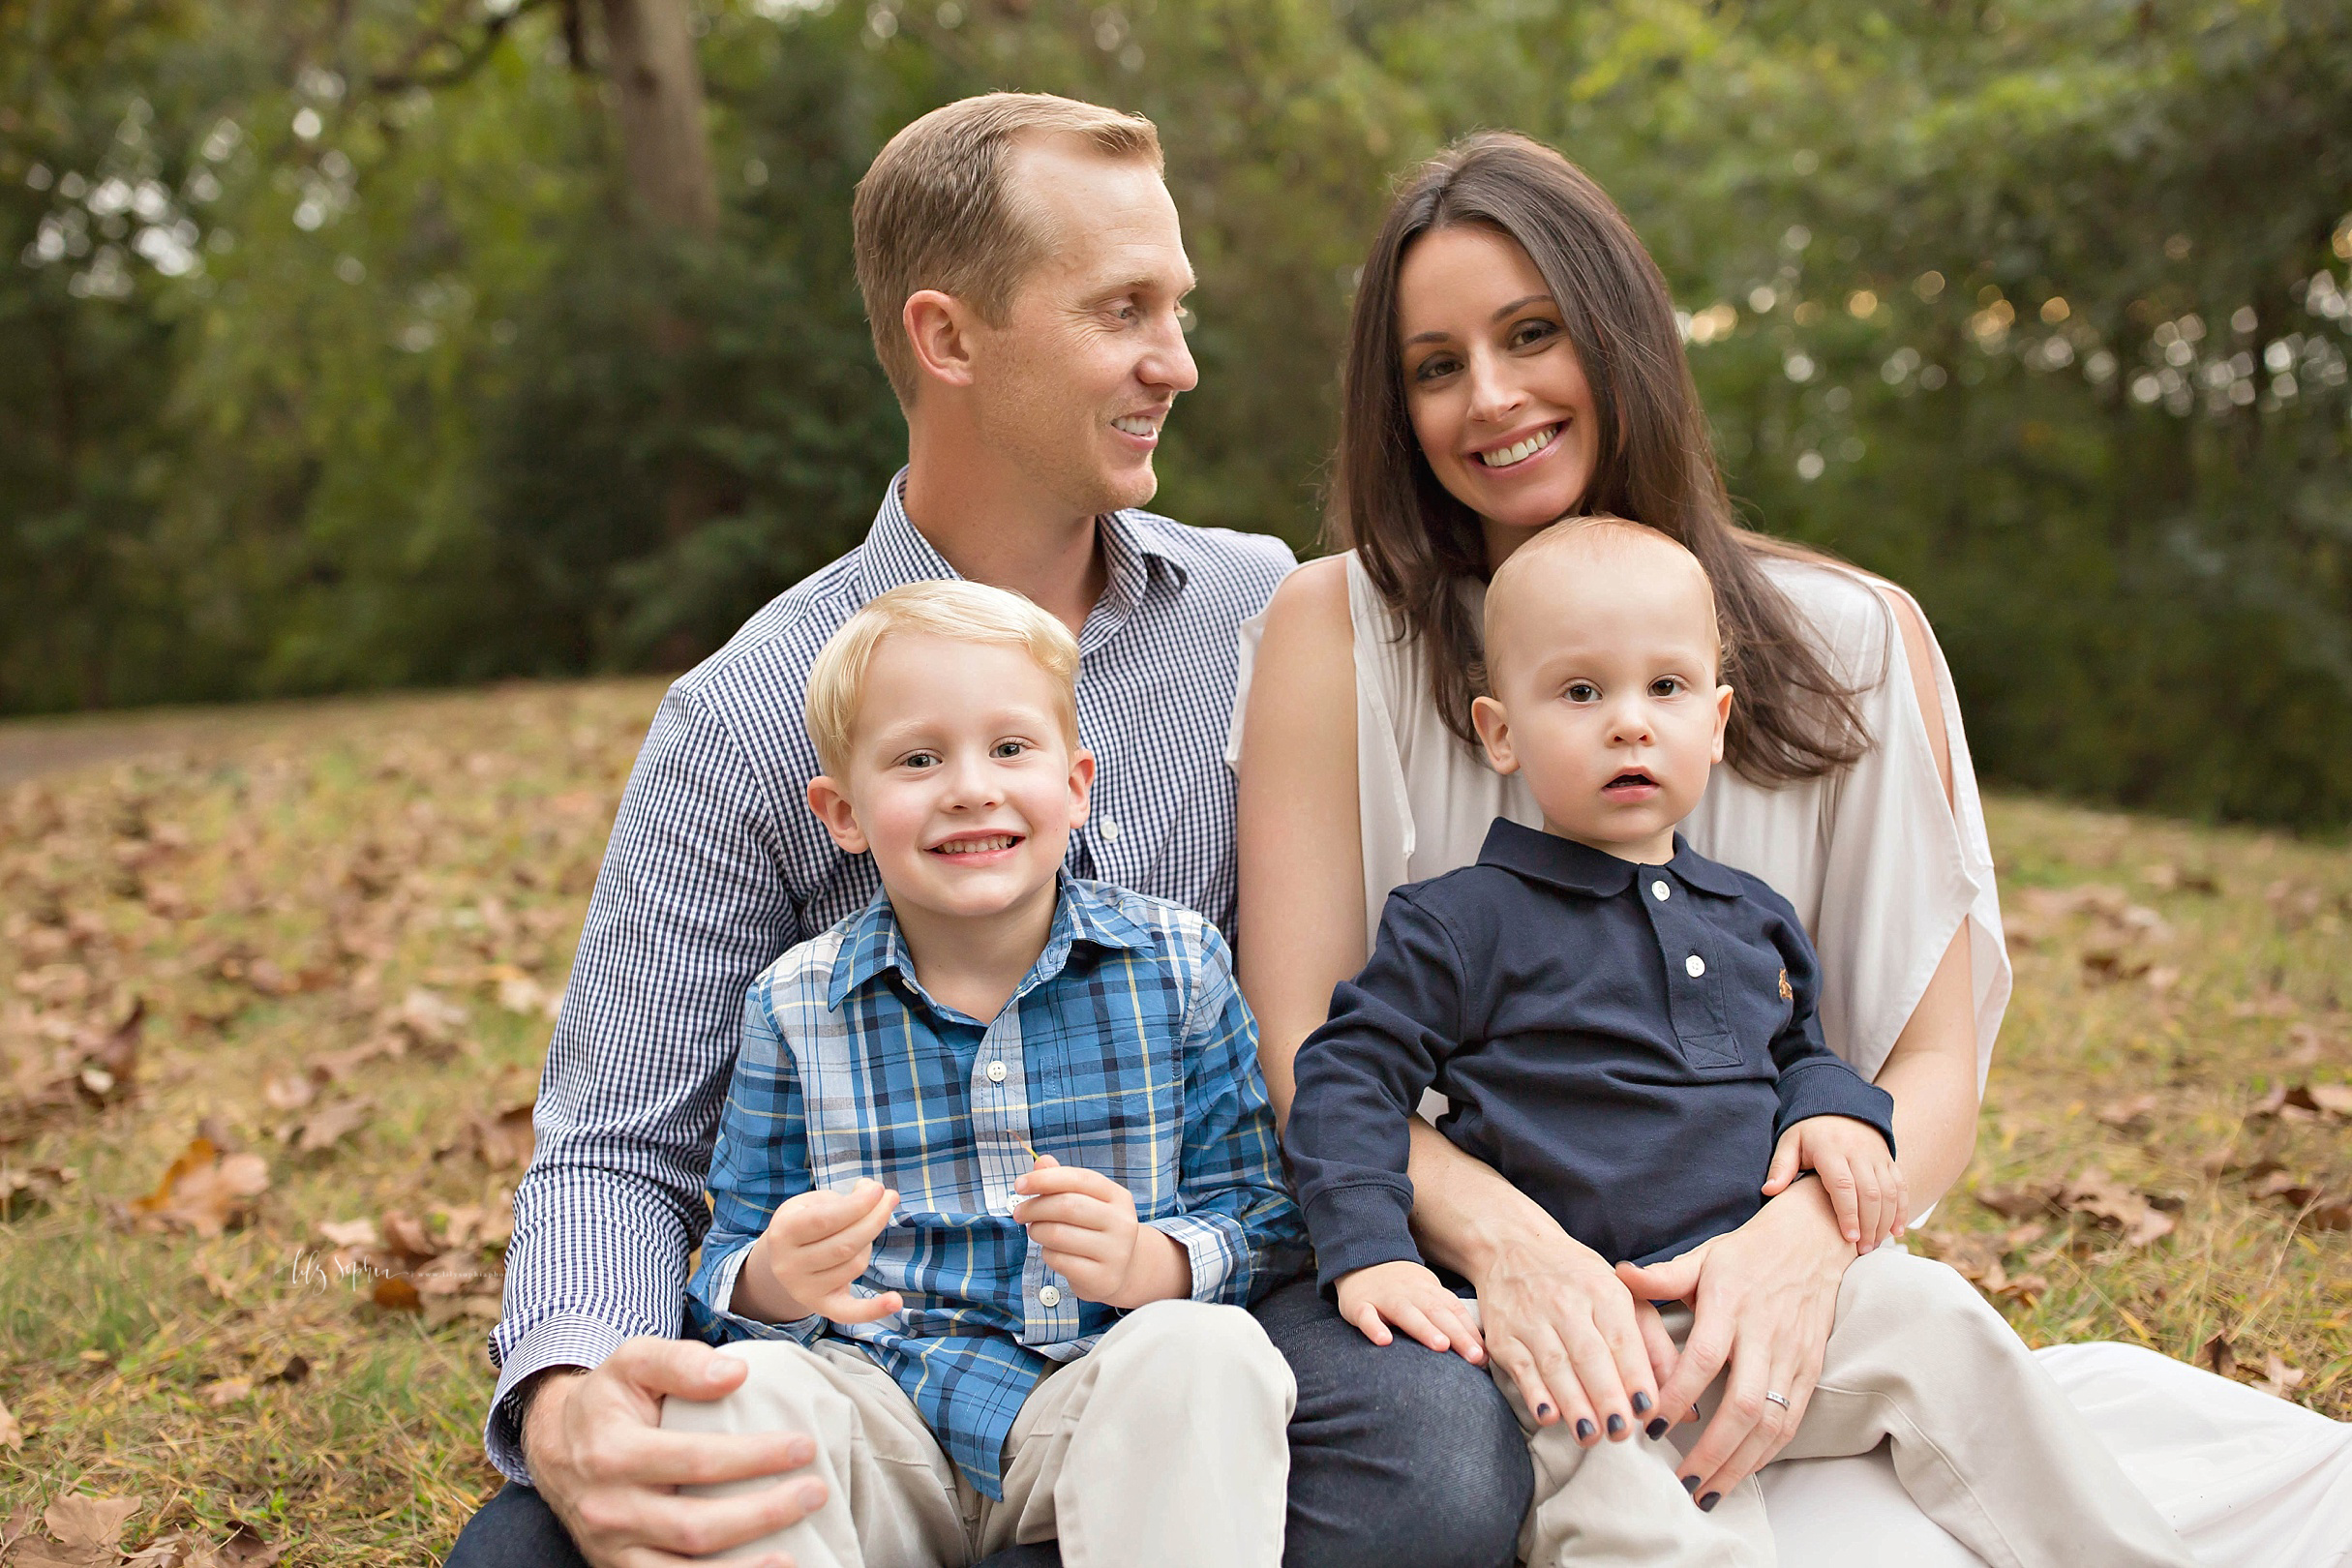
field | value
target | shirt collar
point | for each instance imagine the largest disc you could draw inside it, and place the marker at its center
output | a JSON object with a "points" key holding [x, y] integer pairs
{"points": [[872, 944], [1565, 864], [897, 553]]}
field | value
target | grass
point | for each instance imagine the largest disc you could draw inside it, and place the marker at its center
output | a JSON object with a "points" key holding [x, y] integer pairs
{"points": [[279, 895]]}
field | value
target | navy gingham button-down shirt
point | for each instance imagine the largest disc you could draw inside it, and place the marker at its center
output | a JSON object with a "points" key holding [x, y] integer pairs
{"points": [[717, 867], [1126, 1049], [1625, 1044]]}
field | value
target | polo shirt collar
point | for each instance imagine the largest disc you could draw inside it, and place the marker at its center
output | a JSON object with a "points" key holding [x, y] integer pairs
{"points": [[873, 945], [897, 553], [1565, 864]]}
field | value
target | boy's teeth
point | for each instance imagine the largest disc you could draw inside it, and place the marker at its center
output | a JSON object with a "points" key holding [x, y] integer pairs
{"points": [[977, 846], [1135, 425], [1522, 451]]}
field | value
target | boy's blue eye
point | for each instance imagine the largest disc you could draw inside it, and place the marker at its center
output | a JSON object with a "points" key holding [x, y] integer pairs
{"points": [[1010, 749], [920, 759]]}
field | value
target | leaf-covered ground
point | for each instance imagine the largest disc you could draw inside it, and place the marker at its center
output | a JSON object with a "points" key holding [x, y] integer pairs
{"points": [[272, 1001]]}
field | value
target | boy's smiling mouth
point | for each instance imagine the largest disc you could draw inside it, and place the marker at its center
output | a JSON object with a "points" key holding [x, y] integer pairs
{"points": [[976, 846]]}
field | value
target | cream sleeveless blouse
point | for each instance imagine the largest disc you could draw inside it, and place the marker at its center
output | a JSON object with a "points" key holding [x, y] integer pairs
{"points": [[1882, 870]]}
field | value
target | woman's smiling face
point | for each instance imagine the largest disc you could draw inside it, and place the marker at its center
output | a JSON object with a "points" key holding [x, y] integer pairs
{"points": [[1496, 391]]}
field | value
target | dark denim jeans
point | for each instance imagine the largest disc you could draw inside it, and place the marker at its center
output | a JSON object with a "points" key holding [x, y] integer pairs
{"points": [[1399, 1458]]}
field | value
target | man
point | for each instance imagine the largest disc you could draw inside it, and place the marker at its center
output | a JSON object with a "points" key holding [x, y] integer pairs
{"points": [[1024, 273]]}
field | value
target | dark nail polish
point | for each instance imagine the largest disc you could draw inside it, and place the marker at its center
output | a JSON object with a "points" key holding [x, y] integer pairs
{"points": [[1642, 1404], [1690, 1483], [1656, 1429], [1707, 1504], [1542, 1411], [1585, 1429], [1617, 1426]]}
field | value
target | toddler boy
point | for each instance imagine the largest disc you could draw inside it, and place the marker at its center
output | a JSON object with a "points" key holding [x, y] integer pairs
{"points": [[1626, 1031], [996, 1173]]}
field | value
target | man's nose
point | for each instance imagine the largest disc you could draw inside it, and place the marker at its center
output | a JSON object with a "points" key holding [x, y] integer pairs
{"points": [[1169, 362]]}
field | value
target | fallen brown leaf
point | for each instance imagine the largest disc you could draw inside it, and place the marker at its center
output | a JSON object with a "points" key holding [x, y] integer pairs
{"points": [[2019, 1202], [351, 1232], [247, 1547], [2126, 1113], [2278, 1377], [12, 1435], [408, 1234], [289, 1094], [227, 1391], [204, 1190], [297, 1367], [395, 1294], [2217, 1355], [325, 1127], [79, 1520]]}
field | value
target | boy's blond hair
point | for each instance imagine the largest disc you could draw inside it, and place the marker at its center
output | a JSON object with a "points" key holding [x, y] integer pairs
{"points": [[1596, 534], [965, 611], [934, 210]]}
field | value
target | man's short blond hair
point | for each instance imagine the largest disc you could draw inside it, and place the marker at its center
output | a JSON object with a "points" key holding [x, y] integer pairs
{"points": [[935, 210], [964, 612]]}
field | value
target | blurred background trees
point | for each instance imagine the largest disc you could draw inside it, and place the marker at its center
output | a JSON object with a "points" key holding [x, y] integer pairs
{"points": [[347, 343]]}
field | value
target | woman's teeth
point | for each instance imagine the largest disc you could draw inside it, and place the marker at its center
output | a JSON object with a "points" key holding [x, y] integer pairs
{"points": [[1522, 451], [977, 846]]}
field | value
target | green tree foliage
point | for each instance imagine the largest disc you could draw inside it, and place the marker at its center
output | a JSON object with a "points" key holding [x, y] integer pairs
{"points": [[333, 360]]}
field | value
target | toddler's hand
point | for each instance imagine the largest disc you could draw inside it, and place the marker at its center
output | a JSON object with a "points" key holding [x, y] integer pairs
{"points": [[1084, 1223], [1409, 1296], [816, 1244], [1851, 1158]]}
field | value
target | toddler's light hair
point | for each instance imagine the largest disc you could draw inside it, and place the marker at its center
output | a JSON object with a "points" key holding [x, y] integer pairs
{"points": [[1596, 534], [964, 612]]}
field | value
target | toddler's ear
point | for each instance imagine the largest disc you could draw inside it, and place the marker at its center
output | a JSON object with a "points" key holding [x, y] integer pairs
{"points": [[1723, 718], [1494, 724], [832, 805]]}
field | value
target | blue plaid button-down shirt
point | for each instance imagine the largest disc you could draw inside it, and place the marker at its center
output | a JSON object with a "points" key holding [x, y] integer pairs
{"points": [[1126, 1049], [717, 866]]}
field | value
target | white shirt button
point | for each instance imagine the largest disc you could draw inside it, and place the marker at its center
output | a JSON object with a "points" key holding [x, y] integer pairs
{"points": [[996, 1072], [1049, 1296], [1694, 966], [1110, 828], [1659, 890]]}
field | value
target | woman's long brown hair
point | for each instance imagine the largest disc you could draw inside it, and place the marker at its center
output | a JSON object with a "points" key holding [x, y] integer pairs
{"points": [[1655, 462]]}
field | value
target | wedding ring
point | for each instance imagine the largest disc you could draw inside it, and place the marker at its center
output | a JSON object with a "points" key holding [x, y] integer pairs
{"points": [[1781, 1399]]}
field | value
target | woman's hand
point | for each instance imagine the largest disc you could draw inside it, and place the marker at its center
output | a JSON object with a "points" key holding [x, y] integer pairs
{"points": [[1574, 1338], [1764, 1299]]}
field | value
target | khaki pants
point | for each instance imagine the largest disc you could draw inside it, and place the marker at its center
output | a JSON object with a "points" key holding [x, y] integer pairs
{"points": [[1165, 1447], [1983, 1440]]}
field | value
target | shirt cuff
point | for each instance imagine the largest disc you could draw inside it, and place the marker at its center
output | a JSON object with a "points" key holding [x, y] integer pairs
{"points": [[1357, 1225], [1834, 1089], [561, 1340], [717, 1284], [1213, 1243]]}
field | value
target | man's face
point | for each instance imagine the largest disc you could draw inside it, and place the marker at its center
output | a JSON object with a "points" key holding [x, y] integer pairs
{"points": [[1075, 382]]}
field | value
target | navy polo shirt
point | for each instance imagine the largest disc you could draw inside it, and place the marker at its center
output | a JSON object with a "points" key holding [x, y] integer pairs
{"points": [[1625, 1044]]}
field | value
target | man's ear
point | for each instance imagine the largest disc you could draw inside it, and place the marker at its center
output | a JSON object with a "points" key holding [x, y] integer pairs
{"points": [[939, 326], [832, 805], [1494, 724], [1081, 785], [1723, 717]]}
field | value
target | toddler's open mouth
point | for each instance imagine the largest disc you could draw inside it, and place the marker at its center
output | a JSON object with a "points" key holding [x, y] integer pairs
{"points": [[1633, 784]]}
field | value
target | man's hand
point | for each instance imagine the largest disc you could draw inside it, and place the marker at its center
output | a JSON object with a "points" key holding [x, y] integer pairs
{"points": [[815, 1246], [1856, 1169], [1408, 1295], [1085, 1226], [599, 1457]]}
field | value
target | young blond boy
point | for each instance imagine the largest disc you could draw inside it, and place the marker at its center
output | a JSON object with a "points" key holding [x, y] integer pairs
{"points": [[1626, 1030], [996, 1173]]}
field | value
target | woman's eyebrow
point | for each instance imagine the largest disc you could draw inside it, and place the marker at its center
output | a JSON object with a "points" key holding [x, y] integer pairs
{"points": [[1520, 305]]}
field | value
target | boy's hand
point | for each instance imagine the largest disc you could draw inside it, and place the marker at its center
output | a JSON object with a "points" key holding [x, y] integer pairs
{"points": [[1408, 1295], [1085, 1226], [1865, 1185], [815, 1245]]}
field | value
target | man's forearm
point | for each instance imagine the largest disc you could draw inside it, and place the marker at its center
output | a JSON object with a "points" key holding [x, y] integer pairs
{"points": [[1465, 1213]]}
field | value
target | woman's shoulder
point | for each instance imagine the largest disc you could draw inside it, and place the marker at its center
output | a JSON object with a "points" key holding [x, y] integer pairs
{"points": [[1849, 609]]}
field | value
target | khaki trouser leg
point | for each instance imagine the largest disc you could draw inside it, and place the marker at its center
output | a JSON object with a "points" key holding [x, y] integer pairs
{"points": [[1167, 1447], [894, 1499], [1620, 1504], [1983, 1440]]}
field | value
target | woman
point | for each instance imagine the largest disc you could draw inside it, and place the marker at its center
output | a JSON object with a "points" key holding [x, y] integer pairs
{"points": [[1514, 359]]}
